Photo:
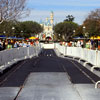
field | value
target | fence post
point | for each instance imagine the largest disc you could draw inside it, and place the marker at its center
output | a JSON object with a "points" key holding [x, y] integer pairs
{"points": [[97, 57], [28, 53]]}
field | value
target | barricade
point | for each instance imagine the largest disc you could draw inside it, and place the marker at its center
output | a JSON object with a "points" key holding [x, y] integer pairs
{"points": [[11, 56], [91, 56]]}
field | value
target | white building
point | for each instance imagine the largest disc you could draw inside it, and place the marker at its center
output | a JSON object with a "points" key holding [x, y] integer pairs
{"points": [[47, 28]]}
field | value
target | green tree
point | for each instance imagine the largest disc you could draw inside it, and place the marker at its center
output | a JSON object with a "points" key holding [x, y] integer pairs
{"points": [[79, 31], [6, 28], [92, 23], [30, 28], [69, 18], [21, 29], [64, 30]]}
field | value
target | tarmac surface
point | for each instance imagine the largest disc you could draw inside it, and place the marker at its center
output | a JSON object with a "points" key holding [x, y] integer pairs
{"points": [[48, 77]]}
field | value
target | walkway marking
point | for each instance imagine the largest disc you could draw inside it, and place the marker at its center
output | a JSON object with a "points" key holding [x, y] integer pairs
{"points": [[21, 87]]}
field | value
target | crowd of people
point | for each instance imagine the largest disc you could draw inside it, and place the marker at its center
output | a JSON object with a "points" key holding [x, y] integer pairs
{"points": [[89, 44], [9, 43]]}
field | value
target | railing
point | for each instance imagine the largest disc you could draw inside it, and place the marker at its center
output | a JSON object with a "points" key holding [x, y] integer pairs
{"points": [[91, 56], [9, 57], [88, 55]]}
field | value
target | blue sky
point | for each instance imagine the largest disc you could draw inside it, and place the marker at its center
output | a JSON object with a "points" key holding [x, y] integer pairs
{"points": [[40, 9]]}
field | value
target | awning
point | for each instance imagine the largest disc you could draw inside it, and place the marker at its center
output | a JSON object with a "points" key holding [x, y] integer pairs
{"points": [[2, 36], [17, 38], [77, 38], [33, 38], [95, 38]]}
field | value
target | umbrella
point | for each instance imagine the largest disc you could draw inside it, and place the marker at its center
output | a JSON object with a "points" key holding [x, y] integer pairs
{"points": [[95, 37], [33, 38]]}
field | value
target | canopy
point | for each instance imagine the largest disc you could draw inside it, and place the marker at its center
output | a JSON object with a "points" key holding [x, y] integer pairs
{"points": [[2, 36], [78, 38], [19, 38], [33, 38], [95, 37]]}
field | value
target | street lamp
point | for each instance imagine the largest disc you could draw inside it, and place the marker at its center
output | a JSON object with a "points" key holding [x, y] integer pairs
{"points": [[59, 36], [84, 42], [13, 28], [22, 33], [74, 32], [4, 32]]}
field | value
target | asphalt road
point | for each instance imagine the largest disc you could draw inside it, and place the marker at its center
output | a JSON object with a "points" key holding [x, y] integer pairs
{"points": [[47, 61]]}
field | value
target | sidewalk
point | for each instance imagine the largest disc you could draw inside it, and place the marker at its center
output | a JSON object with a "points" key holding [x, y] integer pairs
{"points": [[56, 86], [48, 86]]}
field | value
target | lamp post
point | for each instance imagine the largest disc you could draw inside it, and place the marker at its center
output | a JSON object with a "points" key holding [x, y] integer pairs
{"points": [[59, 36], [13, 28], [84, 42], [22, 33], [73, 35], [74, 32], [4, 32]]}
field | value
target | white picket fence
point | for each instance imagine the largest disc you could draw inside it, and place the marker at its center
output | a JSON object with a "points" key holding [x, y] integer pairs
{"points": [[9, 57]]}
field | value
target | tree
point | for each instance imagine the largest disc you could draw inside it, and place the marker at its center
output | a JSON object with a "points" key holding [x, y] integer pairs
{"points": [[69, 18], [92, 23], [11, 9], [64, 30], [6, 28], [28, 28], [79, 31], [21, 29]]}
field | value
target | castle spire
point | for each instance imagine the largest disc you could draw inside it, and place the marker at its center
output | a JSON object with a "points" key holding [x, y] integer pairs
{"points": [[52, 17]]}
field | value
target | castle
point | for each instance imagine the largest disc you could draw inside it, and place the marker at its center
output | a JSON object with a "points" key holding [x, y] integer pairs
{"points": [[47, 27]]}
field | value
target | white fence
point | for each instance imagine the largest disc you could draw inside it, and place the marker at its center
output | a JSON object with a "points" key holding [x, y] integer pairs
{"points": [[48, 46], [91, 56], [9, 57]]}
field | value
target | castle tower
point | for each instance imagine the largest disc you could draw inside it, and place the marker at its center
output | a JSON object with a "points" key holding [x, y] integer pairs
{"points": [[47, 19], [52, 17]]}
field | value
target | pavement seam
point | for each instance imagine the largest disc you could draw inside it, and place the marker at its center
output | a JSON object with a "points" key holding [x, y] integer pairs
{"points": [[21, 88], [78, 92]]}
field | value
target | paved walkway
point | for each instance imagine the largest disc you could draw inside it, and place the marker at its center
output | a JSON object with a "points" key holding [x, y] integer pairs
{"points": [[48, 86], [48, 77]]}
